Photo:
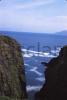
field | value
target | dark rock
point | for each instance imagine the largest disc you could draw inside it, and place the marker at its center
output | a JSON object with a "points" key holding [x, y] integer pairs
{"points": [[12, 71], [55, 87]]}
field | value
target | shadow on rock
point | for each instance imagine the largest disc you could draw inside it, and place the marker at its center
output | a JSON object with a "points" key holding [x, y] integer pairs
{"points": [[55, 87]]}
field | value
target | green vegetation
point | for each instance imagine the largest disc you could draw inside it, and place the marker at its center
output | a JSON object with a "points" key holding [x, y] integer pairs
{"points": [[12, 75]]}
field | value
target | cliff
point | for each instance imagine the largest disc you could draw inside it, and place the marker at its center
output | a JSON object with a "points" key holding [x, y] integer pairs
{"points": [[55, 87], [12, 71]]}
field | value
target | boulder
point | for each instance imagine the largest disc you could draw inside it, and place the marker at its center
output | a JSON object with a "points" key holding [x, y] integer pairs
{"points": [[12, 71], [55, 87]]}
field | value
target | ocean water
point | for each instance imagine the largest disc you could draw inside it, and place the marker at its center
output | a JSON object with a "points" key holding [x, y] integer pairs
{"points": [[37, 48]]}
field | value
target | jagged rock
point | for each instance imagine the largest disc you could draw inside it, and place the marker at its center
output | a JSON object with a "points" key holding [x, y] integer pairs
{"points": [[55, 87], [12, 71]]}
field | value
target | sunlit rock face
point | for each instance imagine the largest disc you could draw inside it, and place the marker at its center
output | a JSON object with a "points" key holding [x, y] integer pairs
{"points": [[55, 87], [12, 72]]}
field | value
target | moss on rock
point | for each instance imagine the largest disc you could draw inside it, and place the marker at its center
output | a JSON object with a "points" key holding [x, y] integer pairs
{"points": [[12, 71]]}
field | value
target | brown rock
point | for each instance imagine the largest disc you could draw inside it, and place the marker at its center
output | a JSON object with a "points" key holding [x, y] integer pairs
{"points": [[55, 87], [12, 71]]}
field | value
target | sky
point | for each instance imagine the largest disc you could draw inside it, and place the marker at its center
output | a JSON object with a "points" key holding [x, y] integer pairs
{"points": [[39, 16]]}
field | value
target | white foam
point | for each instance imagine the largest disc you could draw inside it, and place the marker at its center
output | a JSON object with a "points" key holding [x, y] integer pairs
{"points": [[27, 56], [27, 65], [35, 71], [40, 79], [35, 88], [30, 53], [24, 50]]}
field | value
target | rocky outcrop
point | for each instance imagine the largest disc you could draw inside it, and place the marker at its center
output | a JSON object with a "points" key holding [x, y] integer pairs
{"points": [[55, 87], [12, 71]]}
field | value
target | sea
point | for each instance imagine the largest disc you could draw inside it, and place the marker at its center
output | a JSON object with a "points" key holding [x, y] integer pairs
{"points": [[37, 48]]}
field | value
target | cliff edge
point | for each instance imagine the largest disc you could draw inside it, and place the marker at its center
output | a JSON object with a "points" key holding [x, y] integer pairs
{"points": [[12, 71], [55, 87]]}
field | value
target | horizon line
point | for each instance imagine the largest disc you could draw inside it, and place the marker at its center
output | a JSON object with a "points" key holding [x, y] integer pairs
{"points": [[33, 32]]}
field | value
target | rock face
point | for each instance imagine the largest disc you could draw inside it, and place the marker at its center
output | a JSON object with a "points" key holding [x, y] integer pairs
{"points": [[12, 72], [55, 87]]}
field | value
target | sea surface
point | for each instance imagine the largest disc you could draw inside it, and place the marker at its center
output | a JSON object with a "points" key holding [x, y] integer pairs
{"points": [[37, 48]]}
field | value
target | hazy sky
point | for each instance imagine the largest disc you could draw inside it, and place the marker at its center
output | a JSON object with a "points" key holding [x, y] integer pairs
{"points": [[33, 15]]}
